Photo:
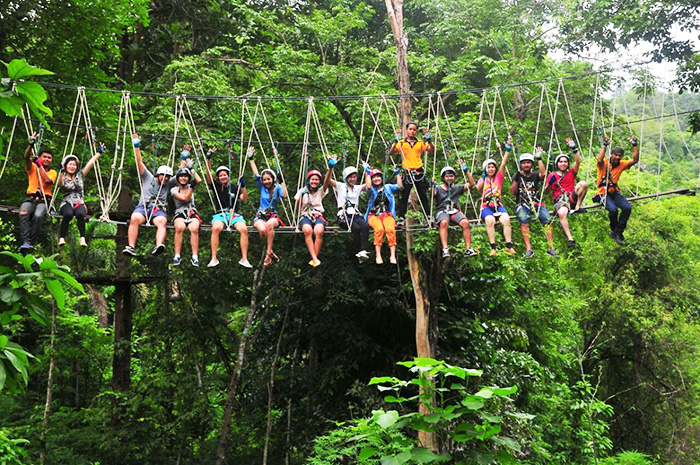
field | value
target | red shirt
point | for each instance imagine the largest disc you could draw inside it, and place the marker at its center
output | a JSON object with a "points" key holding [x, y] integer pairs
{"points": [[565, 183]]}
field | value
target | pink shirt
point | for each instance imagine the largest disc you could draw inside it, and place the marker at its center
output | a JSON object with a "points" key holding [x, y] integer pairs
{"points": [[492, 188]]}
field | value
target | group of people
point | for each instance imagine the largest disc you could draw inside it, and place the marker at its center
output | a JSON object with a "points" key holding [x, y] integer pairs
{"points": [[387, 203]]}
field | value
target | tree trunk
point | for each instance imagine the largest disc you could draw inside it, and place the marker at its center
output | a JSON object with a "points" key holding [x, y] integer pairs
{"points": [[424, 347], [271, 386], [123, 312], [235, 376], [49, 385]]}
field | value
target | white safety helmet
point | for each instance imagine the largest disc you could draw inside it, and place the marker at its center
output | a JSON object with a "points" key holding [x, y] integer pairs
{"points": [[527, 157], [270, 172], [561, 155], [164, 170], [445, 170], [487, 162], [222, 168], [68, 158], [348, 171]]}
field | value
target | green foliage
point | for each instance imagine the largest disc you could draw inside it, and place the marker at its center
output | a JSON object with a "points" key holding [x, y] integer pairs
{"points": [[12, 451]]}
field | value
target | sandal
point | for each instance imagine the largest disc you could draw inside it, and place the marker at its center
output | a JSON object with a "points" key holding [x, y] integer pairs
{"points": [[274, 255], [268, 260]]}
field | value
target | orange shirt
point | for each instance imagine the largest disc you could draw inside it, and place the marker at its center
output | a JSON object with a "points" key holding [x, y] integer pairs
{"points": [[615, 172], [411, 155], [33, 173]]}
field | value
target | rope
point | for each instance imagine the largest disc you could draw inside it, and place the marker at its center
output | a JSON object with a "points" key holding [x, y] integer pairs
{"points": [[590, 140]]}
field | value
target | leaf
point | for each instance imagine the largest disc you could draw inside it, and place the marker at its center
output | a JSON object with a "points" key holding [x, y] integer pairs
{"points": [[485, 393], [19, 68], [55, 288], [510, 443], [473, 404], [11, 104], [521, 415], [10, 295], [383, 379], [491, 418], [389, 460], [70, 280], [386, 419], [504, 391], [403, 457], [366, 453], [423, 455], [3, 340], [17, 364], [3, 375]]}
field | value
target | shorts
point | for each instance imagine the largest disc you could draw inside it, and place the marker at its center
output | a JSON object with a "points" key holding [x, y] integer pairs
{"points": [[454, 218], [563, 201], [193, 215], [263, 216], [153, 212], [225, 217], [525, 213], [488, 211], [319, 219]]}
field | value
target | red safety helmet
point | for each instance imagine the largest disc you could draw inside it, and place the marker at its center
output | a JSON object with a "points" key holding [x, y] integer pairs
{"points": [[375, 172], [314, 173]]}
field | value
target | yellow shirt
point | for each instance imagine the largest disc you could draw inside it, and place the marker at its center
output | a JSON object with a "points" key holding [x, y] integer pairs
{"points": [[411, 154], [33, 173], [615, 172]]}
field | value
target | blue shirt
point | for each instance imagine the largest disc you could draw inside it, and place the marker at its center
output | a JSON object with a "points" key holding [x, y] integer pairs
{"points": [[387, 190], [267, 201]]}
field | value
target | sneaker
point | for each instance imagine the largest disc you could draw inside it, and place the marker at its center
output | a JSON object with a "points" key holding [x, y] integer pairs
{"points": [[616, 237], [401, 222], [620, 235], [158, 249], [445, 253], [552, 253], [83, 242], [470, 252], [529, 254], [362, 255], [571, 244], [245, 263], [314, 263], [129, 250], [212, 263], [61, 242], [194, 261], [493, 252], [511, 251], [177, 260]]}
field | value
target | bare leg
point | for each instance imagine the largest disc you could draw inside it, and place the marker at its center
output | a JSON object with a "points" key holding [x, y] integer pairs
{"points": [[466, 232], [137, 220], [444, 227], [525, 231], [563, 211], [270, 227], [549, 234], [216, 229], [194, 236], [179, 230], [161, 230], [378, 254], [243, 231], [580, 189], [309, 240], [491, 228], [505, 221]]}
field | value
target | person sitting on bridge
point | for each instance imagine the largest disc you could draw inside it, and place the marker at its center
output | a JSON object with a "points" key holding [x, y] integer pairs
{"points": [[447, 197], [267, 218]]}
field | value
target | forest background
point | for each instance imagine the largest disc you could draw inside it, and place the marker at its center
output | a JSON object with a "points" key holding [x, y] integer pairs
{"points": [[602, 343]]}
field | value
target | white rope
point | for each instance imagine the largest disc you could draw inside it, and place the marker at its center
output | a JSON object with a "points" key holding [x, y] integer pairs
{"points": [[591, 155]]}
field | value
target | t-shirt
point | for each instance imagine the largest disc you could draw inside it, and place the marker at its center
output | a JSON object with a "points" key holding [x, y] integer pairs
{"points": [[226, 195], [33, 188], [268, 201], [614, 175], [447, 199], [72, 189], [311, 202], [182, 206], [566, 183], [411, 153], [348, 199], [528, 188], [492, 188], [382, 200], [152, 192]]}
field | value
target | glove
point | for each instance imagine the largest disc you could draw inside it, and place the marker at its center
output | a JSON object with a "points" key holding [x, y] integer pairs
{"points": [[365, 166], [185, 154], [572, 144], [551, 180], [209, 154], [606, 142], [538, 156], [37, 162], [189, 164], [464, 167], [137, 142], [427, 138], [397, 170], [634, 141], [250, 152], [397, 137], [101, 148], [303, 191], [60, 167], [332, 162], [508, 146], [241, 182], [32, 141]]}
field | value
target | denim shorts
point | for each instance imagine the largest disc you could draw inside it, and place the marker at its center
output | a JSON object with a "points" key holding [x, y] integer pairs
{"points": [[525, 213]]}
